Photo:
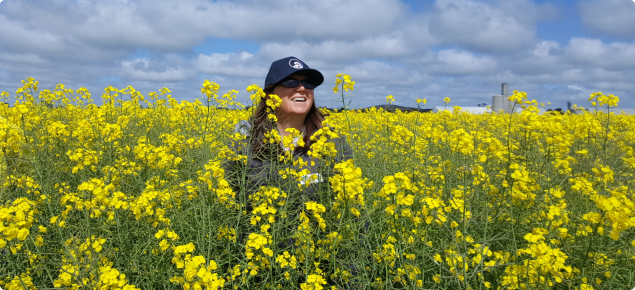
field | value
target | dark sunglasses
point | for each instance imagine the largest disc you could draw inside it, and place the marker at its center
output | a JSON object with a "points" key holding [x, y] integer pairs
{"points": [[293, 83]]}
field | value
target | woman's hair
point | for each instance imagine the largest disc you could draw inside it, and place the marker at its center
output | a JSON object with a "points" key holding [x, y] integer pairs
{"points": [[261, 125]]}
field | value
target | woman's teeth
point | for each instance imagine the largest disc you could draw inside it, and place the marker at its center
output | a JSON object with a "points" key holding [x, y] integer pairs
{"points": [[299, 100]]}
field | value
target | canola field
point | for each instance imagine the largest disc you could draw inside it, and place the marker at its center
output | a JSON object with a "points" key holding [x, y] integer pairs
{"points": [[133, 193]]}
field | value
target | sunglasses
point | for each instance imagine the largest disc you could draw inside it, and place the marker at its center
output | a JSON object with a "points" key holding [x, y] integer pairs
{"points": [[293, 83]]}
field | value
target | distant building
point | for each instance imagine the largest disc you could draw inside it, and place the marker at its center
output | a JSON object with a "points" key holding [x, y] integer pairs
{"points": [[501, 102]]}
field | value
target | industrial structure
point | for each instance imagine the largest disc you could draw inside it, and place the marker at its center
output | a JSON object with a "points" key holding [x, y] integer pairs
{"points": [[501, 102]]}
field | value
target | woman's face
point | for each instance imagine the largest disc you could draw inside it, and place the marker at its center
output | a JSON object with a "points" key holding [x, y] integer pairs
{"points": [[295, 101]]}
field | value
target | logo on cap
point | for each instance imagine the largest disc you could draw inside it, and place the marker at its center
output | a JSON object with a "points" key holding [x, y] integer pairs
{"points": [[295, 63]]}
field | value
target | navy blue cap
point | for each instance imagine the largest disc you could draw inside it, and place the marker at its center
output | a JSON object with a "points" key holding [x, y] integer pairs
{"points": [[283, 68]]}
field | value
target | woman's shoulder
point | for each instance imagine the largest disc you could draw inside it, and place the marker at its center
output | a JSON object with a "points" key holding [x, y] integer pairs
{"points": [[243, 127]]}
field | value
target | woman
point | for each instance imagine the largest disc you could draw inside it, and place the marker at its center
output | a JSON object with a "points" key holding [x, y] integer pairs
{"points": [[293, 82]]}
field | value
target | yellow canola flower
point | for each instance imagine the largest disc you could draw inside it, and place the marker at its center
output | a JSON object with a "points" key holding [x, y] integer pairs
{"points": [[287, 260], [438, 173], [24, 281], [313, 282], [343, 82], [256, 241]]}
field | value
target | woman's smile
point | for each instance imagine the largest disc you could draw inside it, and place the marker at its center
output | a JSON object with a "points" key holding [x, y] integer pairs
{"points": [[295, 101]]}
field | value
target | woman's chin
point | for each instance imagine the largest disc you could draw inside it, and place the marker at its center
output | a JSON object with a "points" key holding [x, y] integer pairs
{"points": [[299, 112], [300, 109]]}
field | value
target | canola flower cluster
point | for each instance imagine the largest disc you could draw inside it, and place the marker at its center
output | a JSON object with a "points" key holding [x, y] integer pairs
{"points": [[135, 194]]}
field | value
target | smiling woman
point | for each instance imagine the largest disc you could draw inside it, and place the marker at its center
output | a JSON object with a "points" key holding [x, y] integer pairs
{"points": [[296, 95], [291, 82]]}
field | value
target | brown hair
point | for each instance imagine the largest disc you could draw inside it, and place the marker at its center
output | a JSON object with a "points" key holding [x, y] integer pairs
{"points": [[262, 125]]}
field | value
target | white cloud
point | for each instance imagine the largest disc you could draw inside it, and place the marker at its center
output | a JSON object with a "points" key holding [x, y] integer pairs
{"points": [[175, 26], [462, 49], [594, 53], [390, 46], [545, 57], [613, 86], [23, 58], [377, 71], [30, 36], [143, 69], [483, 26], [229, 64], [579, 57], [613, 17], [463, 62], [308, 20], [576, 87]]}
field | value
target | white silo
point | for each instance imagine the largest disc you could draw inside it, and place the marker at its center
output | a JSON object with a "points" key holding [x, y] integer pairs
{"points": [[501, 102]]}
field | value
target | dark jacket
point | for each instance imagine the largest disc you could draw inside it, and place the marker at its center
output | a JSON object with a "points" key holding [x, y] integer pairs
{"points": [[265, 171]]}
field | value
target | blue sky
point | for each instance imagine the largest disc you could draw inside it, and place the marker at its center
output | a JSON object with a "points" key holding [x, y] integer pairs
{"points": [[556, 51]]}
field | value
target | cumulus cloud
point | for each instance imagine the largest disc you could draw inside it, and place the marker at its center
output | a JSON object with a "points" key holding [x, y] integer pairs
{"points": [[382, 46], [594, 53], [578, 56], [65, 34], [461, 49], [20, 38], [385, 73], [144, 69], [23, 58], [613, 17], [230, 64], [463, 62], [486, 26], [545, 57], [289, 19], [173, 26]]}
